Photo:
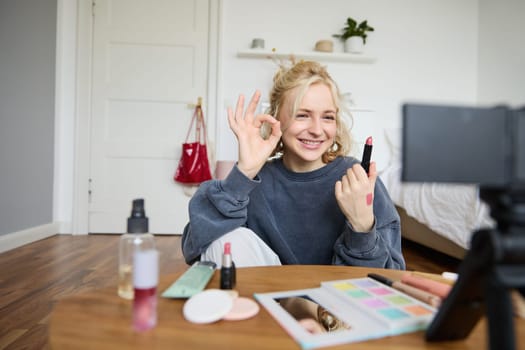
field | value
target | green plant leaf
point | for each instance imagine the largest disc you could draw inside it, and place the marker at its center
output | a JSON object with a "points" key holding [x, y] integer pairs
{"points": [[351, 22], [354, 29]]}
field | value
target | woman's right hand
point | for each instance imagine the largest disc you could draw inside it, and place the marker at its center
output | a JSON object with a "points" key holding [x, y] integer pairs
{"points": [[254, 150]]}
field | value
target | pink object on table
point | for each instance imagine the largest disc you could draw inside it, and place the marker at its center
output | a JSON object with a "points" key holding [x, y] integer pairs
{"points": [[242, 309], [428, 285]]}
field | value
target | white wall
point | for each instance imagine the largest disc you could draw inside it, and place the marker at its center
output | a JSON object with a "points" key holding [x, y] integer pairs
{"points": [[426, 50], [502, 53]]}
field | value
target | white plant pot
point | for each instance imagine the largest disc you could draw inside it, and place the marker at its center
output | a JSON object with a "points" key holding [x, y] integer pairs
{"points": [[354, 44]]}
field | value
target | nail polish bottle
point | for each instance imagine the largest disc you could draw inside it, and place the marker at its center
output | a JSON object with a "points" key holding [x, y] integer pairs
{"points": [[227, 269], [145, 280]]}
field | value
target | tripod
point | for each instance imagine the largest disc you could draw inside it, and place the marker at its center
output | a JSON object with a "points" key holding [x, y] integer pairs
{"points": [[494, 264]]}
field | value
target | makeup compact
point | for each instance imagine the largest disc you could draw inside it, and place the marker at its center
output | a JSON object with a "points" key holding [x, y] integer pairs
{"points": [[207, 306], [243, 308], [213, 305]]}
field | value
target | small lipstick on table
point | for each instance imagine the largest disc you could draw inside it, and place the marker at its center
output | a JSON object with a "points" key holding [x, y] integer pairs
{"points": [[418, 294], [227, 269]]}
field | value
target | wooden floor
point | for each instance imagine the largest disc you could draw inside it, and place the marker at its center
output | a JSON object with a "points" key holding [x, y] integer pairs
{"points": [[35, 276]]}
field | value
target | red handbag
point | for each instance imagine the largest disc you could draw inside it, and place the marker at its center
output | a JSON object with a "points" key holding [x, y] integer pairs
{"points": [[194, 166]]}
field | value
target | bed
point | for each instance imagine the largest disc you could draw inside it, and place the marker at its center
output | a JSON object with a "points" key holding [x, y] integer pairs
{"points": [[440, 216]]}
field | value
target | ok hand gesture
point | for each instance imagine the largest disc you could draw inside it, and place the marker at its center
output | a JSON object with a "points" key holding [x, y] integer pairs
{"points": [[254, 150]]}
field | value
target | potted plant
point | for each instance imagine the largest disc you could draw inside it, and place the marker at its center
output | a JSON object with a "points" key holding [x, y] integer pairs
{"points": [[353, 35]]}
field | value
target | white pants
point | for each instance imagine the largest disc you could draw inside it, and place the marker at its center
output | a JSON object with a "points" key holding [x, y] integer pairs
{"points": [[247, 249]]}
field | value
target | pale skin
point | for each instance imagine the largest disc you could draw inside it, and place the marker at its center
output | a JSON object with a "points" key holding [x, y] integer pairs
{"points": [[306, 137]]}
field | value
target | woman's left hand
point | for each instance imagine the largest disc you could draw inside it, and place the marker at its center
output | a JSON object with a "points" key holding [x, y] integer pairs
{"points": [[355, 196]]}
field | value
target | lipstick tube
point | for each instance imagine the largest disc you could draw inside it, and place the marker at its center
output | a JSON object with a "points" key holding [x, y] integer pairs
{"points": [[367, 154], [227, 268], [145, 281]]}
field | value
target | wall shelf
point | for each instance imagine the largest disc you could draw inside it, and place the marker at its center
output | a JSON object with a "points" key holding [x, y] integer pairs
{"points": [[312, 55]]}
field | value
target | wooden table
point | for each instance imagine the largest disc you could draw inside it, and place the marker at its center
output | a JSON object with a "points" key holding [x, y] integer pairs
{"points": [[102, 320]]}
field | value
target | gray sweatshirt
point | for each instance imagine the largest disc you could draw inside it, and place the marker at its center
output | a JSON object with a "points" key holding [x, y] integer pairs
{"points": [[296, 215]]}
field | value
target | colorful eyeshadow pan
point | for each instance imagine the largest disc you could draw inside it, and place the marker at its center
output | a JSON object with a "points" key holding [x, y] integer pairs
{"points": [[344, 286], [358, 293], [417, 310], [393, 314], [398, 300], [365, 283], [375, 303], [381, 291]]}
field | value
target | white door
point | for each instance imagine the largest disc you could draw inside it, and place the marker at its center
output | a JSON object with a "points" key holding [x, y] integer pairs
{"points": [[149, 63]]}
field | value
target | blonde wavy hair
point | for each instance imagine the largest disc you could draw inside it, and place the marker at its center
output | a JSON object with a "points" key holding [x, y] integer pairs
{"points": [[302, 75]]}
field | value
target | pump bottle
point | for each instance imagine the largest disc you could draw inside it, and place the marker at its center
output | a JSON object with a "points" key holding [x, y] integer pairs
{"points": [[137, 239]]}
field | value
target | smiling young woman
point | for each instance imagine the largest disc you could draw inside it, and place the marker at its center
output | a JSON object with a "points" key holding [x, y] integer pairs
{"points": [[294, 196]]}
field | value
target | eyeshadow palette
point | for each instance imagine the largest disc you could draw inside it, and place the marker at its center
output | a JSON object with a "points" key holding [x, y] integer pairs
{"points": [[389, 306], [346, 311]]}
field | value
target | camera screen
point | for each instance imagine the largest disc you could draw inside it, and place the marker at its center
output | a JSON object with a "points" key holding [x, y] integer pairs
{"points": [[457, 144]]}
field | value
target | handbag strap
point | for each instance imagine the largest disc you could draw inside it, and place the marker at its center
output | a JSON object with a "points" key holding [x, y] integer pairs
{"points": [[200, 127]]}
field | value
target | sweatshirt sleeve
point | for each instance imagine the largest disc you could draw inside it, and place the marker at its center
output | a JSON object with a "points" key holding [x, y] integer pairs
{"points": [[381, 247], [217, 207]]}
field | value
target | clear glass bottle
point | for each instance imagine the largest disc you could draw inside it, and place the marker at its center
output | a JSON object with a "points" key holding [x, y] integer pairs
{"points": [[137, 238]]}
